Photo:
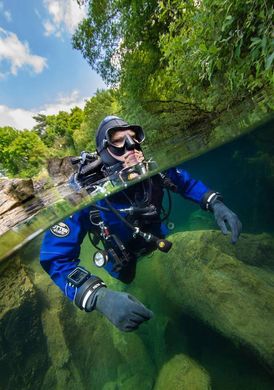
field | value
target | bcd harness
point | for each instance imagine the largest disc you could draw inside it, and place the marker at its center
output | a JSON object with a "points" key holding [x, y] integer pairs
{"points": [[142, 212]]}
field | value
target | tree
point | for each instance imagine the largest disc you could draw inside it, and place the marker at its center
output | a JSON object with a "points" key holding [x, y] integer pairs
{"points": [[75, 118], [217, 51], [179, 59], [24, 154], [56, 131], [113, 30], [99, 106], [40, 127], [7, 136]]}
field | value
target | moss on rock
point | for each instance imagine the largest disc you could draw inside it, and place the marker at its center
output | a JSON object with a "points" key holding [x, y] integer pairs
{"points": [[104, 356], [23, 350], [182, 373], [221, 284]]}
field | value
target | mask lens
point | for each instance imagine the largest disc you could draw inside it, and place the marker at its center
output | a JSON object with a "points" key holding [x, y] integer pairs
{"points": [[119, 142], [140, 136]]}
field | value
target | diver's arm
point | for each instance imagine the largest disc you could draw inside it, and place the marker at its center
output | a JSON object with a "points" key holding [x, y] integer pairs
{"points": [[188, 187], [59, 253], [209, 200], [59, 256]]}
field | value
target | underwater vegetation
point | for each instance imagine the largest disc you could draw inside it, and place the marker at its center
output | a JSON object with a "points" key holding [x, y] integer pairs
{"points": [[47, 343]]}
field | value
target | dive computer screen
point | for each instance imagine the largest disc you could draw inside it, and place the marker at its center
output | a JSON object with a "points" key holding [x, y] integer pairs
{"points": [[78, 276]]}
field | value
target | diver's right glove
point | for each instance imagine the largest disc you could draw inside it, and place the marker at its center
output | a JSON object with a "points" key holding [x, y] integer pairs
{"points": [[122, 309]]}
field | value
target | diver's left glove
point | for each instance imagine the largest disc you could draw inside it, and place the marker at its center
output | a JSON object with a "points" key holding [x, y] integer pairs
{"points": [[224, 216]]}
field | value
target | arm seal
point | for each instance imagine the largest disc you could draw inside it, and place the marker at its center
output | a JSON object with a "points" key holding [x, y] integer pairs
{"points": [[209, 198]]}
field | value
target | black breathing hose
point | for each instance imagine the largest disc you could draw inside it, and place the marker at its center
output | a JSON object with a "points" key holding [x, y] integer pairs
{"points": [[162, 244]]}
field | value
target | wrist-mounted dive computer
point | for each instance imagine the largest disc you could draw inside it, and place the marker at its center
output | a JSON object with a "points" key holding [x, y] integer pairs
{"points": [[78, 276], [85, 286]]}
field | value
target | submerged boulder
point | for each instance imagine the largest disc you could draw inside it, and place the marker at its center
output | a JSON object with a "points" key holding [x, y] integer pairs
{"points": [[46, 342], [105, 357], [182, 373], [23, 348], [229, 287]]}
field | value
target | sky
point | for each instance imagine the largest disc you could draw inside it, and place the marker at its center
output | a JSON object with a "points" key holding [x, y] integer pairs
{"points": [[40, 72]]}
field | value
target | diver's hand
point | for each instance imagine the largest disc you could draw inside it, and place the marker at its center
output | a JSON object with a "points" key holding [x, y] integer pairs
{"points": [[224, 216], [122, 309]]}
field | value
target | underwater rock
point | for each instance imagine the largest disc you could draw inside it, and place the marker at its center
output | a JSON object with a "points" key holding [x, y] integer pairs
{"points": [[229, 287], [105, 357], [23, 349], [182, 373], [74, 349], [62, 372], [136, 366]]}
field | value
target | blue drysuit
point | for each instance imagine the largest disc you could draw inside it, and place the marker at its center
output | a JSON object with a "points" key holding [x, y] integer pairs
{"points": [[61, 245]]}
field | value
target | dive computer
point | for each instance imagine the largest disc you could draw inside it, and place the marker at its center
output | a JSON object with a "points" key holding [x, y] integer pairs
{"points": [[78, 276]]}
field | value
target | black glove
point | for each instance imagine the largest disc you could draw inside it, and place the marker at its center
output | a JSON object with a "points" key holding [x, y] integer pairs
{"points": [[122, 309], [223, 216]]}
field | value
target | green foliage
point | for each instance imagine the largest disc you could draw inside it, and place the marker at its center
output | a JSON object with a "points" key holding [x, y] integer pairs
{"points": [[112, 30], [217, 51], [180, 60], [98, 37], [7, 136], [70, 133], [172, 65], [23, 152], [56, 130], [102, 104]]}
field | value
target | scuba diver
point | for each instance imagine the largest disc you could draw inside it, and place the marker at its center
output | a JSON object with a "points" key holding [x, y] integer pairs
{"points": [[129, 224]]}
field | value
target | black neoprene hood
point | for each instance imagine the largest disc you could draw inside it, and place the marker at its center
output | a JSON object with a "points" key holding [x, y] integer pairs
{"points": [[111, 122]]}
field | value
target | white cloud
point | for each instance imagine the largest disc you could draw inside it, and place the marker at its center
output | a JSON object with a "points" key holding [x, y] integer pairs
{"points": [[16, 117], [49, 28], [17, 54], [23, 119], [63, 16], [5, 12], [63, 103], [7, 15]]}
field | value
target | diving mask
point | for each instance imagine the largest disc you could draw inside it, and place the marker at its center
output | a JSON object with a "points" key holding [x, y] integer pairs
{"points": [[119, 141]]}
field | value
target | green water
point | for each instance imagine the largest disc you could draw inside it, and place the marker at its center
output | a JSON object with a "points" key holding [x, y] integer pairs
{"points": [[47, 343]]}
